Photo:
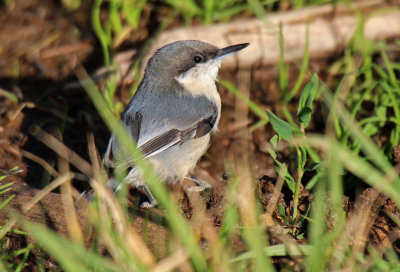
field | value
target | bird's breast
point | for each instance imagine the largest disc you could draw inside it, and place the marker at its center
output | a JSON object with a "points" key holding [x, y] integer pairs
{"points": [[206, 89]]}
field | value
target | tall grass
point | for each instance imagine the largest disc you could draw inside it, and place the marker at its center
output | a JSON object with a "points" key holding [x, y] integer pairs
{"points": [[345, 151]]}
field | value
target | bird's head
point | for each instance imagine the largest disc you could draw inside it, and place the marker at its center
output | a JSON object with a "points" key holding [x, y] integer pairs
{"points": [[189, 62]]}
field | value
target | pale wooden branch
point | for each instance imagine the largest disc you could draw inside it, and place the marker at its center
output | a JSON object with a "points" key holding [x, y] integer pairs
{"points": [[330, 30]]}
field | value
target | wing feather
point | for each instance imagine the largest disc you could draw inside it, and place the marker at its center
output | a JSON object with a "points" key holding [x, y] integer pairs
{"points": [[158, 132]]}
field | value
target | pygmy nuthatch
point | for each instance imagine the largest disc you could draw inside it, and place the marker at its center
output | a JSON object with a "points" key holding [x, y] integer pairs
{"points": [[174, 113]]}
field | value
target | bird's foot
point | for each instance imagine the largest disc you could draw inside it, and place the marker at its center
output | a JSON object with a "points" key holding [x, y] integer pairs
{"points": [[202, 185], [152, 201], [148, 205]]}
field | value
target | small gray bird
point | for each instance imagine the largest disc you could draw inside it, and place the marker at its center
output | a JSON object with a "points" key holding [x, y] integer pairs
{"points": [[174, 113]]}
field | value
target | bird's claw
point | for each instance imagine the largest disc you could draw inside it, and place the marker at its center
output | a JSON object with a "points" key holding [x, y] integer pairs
{"points": [[202, 185], [148, 205]]}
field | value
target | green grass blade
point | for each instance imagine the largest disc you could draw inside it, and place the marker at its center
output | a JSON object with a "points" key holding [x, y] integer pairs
{"points": [[367, 145], [253, 106], [5, 202], [388, 64], [283, 67], [105, 41], [72, 257], [375, 177], [302, 72]]}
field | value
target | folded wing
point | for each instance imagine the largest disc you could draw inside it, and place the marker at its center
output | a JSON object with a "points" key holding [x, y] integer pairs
{"points": [[158, 128]]}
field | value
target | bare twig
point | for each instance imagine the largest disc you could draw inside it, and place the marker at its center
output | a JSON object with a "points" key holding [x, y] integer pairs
{"points": [[63, 151], [46, 166]]}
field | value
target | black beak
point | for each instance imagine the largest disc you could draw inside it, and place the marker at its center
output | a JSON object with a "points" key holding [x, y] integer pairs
{"points": [[226, 51]]}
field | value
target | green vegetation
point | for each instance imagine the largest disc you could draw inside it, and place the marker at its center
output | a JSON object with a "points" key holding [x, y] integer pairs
{"points": [[362, 125], [8, 257]]}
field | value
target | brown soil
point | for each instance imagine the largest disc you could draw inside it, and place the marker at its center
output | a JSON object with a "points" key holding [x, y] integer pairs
{"points": [[44, 43]]}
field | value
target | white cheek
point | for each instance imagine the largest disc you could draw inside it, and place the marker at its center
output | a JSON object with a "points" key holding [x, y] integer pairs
{"points": [[200, 80], [203, 73]]}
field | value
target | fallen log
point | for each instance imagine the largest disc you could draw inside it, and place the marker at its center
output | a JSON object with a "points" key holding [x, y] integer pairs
{"points": [[330, 27]]}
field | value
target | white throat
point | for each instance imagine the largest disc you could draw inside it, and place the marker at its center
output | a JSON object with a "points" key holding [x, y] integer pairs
{"points": [[200, 80]]}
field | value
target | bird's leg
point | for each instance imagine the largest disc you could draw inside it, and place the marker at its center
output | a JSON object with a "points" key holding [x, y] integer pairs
{"points": [[201, 184], [131, 179], [89, 194], [152, 201]]}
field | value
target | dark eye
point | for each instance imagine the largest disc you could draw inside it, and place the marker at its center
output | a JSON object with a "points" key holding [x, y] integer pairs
{"points": [[197, 59]]}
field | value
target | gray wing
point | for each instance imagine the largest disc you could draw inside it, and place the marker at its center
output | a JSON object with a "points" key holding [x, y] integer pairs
{"points": [[200, 127], [158, 122]]}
